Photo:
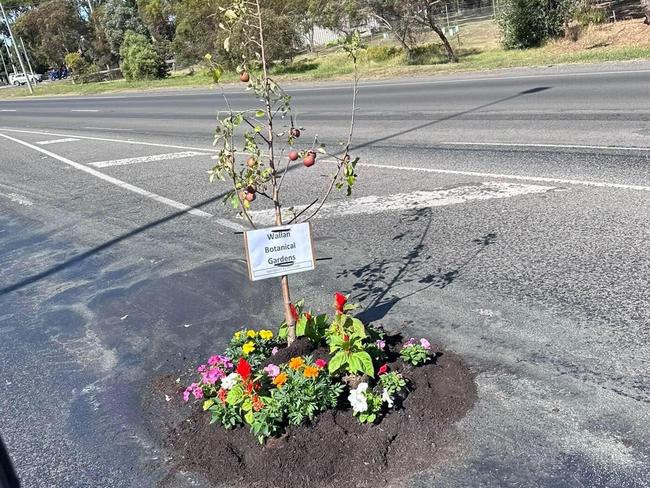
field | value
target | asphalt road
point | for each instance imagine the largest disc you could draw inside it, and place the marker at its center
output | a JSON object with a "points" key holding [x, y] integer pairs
{"points": [[524, 245]]}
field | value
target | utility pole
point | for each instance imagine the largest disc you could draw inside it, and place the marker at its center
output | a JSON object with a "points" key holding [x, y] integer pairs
{"points": [[27, 58], [5, 67], [90, 7], [11, 61], [13, 41]]}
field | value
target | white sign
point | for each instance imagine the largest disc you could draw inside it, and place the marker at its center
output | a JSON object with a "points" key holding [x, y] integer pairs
{"points": [[279, 251]]}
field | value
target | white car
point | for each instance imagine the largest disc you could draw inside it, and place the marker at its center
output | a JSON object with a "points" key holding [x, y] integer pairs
{"points": [[21, 78]]}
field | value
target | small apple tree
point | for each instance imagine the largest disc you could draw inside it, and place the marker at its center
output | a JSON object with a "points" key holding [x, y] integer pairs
{"points": [[268, 135]]}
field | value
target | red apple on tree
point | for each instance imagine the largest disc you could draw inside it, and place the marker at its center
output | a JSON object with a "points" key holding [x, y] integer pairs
{"points": [[244, 77], [251, 162], [310, 159], [293, 155]]}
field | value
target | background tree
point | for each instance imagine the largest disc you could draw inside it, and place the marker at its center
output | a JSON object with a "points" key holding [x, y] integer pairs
{"points": [[140, 60], [51, 31], [119, 17]]}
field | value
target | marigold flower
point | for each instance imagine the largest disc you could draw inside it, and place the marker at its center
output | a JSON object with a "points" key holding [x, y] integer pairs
{"points": [[339, 302], [248, 348], [280, 380], [258, 404], [251, 333], [267, 335], [295, 363], [237, 335], [311, 372]]}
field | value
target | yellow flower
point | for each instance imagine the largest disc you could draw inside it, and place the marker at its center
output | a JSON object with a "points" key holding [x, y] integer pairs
{"points": [[251, 333], [280, 380], [310, 372], [237, 336], [295, 363], [267, 335], [248, 348]]}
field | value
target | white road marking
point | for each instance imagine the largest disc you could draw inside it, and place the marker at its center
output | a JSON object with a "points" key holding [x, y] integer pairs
{"points": [[534, 144], [16, 198], [7, 110], [147, 159], [413, 200], [108, 128], [602, 184], [57, 141], [125, 185], [85, 110]]}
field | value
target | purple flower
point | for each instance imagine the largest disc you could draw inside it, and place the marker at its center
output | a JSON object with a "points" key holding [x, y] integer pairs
{"points": [[202, 369], [409, 343], [197, 391], [220, 360], [212, 375], [425, 344], [380, 344], [186, 394], [272, 370], [213, 361], [274, 351]]}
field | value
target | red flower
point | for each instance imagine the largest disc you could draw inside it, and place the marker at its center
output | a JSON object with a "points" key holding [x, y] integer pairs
{"points": [[383, 369], [243, 368], [321, 363], [294, 312], [222, 394], [346, 337], [307, 315], [339, 302]]}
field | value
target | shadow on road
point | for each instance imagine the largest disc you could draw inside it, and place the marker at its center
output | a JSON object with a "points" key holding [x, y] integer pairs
{"points": [[452, 116], [378, 281]]}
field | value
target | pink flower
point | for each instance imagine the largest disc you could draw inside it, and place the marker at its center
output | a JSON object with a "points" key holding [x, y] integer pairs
{"points": [[409, 343], [320, 363], [380, 344], [186, 394], [383, 369], [274, 351], [212, 375], [214, 360], [272, 370], [197, 392], [425, 344], [202, 369]]}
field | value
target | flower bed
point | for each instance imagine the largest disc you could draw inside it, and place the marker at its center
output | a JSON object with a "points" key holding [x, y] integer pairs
{"points": [[342, 392]]}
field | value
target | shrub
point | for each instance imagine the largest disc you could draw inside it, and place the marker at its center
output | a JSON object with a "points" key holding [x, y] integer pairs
{"points": [[82, 70], [140, 60], [528, 23], [382, 53], [426, 54]]}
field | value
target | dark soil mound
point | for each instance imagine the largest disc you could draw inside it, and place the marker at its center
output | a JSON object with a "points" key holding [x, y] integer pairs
{"points": [[336, 449]]}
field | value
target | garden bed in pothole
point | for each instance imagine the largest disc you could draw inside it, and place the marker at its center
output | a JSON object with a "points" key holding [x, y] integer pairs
{"points": [[335, 449]]}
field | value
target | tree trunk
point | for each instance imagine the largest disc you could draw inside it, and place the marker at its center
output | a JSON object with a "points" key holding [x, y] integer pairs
{"points": [[451, 55], [646, 6]]}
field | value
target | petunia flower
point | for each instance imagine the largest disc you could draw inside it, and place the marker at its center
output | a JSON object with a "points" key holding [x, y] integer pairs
{"points": [[381, 344], [272, 370], [274, 351], [214, 360], [385, 397], [212, 375], [229, 381], [357, 398], [409, 343], [320, 363], [197, 391], [202, 369], [425, 344], [339, 302]]}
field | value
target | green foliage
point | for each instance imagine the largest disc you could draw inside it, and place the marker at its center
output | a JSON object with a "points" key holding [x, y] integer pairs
{"points": [[528, 23], [50, 31], [346, 341], [588, 14], [414, 354], [82, 69], [382, 53], [392, 382], [120, 17], [374, 408], [140, 61]]}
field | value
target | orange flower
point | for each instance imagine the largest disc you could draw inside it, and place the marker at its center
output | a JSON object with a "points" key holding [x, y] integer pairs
{"points": [[280, 380], [311, 372], [295, 363]]}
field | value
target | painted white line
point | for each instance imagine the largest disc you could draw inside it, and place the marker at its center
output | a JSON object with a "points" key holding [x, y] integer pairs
{"points": [[147, 159], [559, 146], [84, 110], [7, 110], [16, 198], [108, 128], [57, 141], [106, 139], [601, 184], [125, 185], [413, 200]]}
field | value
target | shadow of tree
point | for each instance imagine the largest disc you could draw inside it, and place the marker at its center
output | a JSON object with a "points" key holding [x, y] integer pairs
{"points": [[378, 282]]}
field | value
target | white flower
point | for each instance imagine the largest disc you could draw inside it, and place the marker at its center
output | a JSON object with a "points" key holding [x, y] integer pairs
{"points": [[385, 397], [357, 398], [229, 381]]}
